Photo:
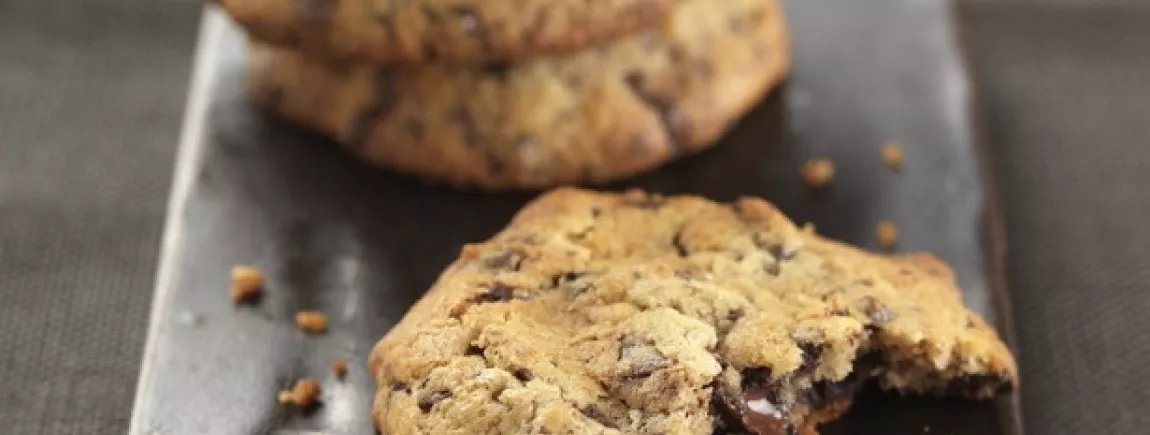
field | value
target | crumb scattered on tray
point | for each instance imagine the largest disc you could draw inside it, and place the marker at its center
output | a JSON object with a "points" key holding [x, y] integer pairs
{"points": [[887, 234], [247, 284], [818, 172], [305, 393], [892, 155], [311, 321], [339, 366]]}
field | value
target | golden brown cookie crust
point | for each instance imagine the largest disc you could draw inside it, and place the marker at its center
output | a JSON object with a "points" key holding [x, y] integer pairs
{"points": [[638, 314], [385, 32], [591, 117]]}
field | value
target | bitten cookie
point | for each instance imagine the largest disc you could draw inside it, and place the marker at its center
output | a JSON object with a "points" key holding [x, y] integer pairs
{"points": [[596, 313], [591, 117]]}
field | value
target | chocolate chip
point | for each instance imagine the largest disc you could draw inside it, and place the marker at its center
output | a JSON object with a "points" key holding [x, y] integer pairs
{"points": [[756, 376], [977, 384], [640, 146], [755, 411], [523, 375], [275, 97], [642, 360], [736, 314], [496, 164], [497, 293], [473, 351], [565, 277], [812, 352], [877, 311], [431, 15], [574, 82], [511, 259], [772, 267], [596, 413], [398, 386], [467, 129], [680, 248], [468, 18], [738, 23], [385, 102], [428, 401], [415, 128], [675, 121], [316, 11], [651, 201], [703, 68], [387, 22], [498, 70], [430, 51]]}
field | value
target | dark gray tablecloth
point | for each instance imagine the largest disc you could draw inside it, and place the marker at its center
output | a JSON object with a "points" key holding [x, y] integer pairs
{"points": [[91, 99]]}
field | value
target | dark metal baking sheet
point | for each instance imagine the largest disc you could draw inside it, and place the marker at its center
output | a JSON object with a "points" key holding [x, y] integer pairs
{"points": [[362, 244]]}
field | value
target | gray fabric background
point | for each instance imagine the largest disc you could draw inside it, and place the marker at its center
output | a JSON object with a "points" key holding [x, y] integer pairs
{"points": [[91, 102]]}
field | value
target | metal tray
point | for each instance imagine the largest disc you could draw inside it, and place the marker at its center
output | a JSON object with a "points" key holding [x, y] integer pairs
{"points": [[362, 244]]}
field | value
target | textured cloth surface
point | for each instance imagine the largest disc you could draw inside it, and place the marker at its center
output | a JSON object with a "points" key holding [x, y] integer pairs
{"points": [[91, 100], [1066, 90]]}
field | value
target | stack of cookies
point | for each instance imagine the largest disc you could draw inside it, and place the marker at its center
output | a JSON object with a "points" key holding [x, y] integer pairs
{"points": [[513, 94]]}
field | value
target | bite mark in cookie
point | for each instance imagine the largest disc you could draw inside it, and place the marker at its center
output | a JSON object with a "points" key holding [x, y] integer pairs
{"points": [[641, 314]]}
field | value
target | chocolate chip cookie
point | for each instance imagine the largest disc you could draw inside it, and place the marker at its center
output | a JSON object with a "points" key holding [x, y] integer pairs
{"points": [[423, 31], [596, 313], [590, 117]]}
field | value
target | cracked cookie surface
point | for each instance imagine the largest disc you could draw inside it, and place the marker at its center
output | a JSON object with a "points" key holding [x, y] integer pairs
{"points": [[596, 313], [422, 31], [590, 117]]}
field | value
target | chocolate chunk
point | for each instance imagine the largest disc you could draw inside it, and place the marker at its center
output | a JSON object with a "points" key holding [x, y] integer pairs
{"points": [[651, 201], [473, 351], [736, 314], [511, 259], [496, 164], [387, 22], [812, 352], [386, 100], [772, 267], [523, 375], [497, 293], [979, 384], [398, 386], [430, 51], [468, 133], [642, 360], [640, 146], [316, 11], [596, 413], [680, 248], [415, 128], [566, 277], [755, 411], [675, 121], [428, 401], [468, 18], [498, 70], [878, 312]]}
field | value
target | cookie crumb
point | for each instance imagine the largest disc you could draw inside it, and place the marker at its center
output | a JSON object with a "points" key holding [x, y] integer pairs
{"points": [[339, 366], [305, 393], [311, 321], [818, 172], [887, 234], [247, 284], [892, 155]]}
